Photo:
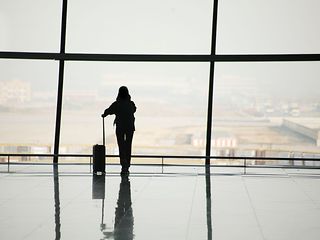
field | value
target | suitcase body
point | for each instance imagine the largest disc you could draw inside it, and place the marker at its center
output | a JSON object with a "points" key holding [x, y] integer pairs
{"points": [[99, 160]]}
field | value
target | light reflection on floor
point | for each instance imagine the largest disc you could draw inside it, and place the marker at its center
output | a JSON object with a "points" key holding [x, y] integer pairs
{"points": [[42, 202]]}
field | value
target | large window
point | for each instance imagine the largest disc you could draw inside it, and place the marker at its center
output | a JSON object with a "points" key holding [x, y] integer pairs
{"points": [[30, 25], [28, 92], [139, 26], [171, 103], [267, 109], [273, 26]]}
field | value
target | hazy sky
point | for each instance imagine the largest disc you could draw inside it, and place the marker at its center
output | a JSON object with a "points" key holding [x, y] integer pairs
{"points": [[269, 26], [166, 26]]}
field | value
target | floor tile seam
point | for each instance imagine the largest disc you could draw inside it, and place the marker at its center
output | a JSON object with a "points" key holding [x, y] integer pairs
{"points": [[315, 203], [191, 208], [38, 226], [43, 223], [253, 208], [300, 188], [50, 215], [18, 194], [63, 206], [285, 172], [23, 168], [8, 173], [134, 200], [79, 194], [72, 199], [4, 177], [4, 174]]}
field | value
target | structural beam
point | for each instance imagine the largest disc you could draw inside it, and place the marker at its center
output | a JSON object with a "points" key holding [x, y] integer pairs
{"points": [[161, 57], [211, 81], [60, 82]]}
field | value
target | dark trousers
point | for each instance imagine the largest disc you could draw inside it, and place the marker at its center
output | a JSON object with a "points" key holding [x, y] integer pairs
{"points": [[124, 139]]}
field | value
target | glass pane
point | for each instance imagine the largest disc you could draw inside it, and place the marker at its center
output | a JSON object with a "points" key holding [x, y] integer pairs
{"points": [[267, 110], [27, 105], [171, 100], [274, 26], [30, 25], [140, 26]]}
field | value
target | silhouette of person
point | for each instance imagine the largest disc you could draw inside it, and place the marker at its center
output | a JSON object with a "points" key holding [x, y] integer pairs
{"points": [[124, 110]]}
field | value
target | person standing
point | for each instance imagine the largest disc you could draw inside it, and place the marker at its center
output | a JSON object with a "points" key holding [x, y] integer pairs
{"points": [[124, 110]]}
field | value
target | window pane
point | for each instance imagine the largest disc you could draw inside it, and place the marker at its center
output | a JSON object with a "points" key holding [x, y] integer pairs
{"points": [[274, 26], [267, 109], [27, 105], [30, 25], [139, 26], [171, 100]]}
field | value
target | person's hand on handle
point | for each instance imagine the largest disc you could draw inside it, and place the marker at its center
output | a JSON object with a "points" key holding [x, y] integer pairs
{"points": [[102, 115]]}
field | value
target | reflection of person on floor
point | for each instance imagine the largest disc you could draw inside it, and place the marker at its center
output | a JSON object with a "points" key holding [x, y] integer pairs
{"points": [[123, 223], [124, 110]]}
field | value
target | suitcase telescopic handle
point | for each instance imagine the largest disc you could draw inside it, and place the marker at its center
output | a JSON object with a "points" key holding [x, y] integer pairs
{"points": [[103, 132]]}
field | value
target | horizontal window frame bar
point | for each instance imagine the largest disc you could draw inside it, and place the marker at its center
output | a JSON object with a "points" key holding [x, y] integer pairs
{"points": [[160, 57]]}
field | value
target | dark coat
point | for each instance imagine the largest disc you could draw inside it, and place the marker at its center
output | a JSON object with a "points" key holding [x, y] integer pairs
{"points": [[124, 110]]}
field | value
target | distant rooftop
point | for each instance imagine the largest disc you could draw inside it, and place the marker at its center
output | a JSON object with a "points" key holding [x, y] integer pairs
{"points": [[313, 123]]}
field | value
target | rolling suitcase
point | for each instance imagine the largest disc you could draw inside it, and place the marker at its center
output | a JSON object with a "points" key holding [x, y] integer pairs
{"points": [[99, 155]]}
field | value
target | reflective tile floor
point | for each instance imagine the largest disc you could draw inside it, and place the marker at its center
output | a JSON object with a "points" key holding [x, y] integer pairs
{"points": [[42, 202]]}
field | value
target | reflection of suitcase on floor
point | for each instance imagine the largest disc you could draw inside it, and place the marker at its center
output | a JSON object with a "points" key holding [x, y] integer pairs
{"points": [[98, 186], [99, 155]]}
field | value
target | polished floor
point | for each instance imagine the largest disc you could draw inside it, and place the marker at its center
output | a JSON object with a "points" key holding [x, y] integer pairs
{"points": [[42, 202]]}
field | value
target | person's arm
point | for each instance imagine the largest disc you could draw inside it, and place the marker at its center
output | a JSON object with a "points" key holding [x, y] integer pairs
{"points": [[134, 108], [110, 110]]}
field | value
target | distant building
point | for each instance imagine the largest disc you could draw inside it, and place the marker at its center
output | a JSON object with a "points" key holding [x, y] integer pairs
{"points": [[219, 140], [14, 92]]}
